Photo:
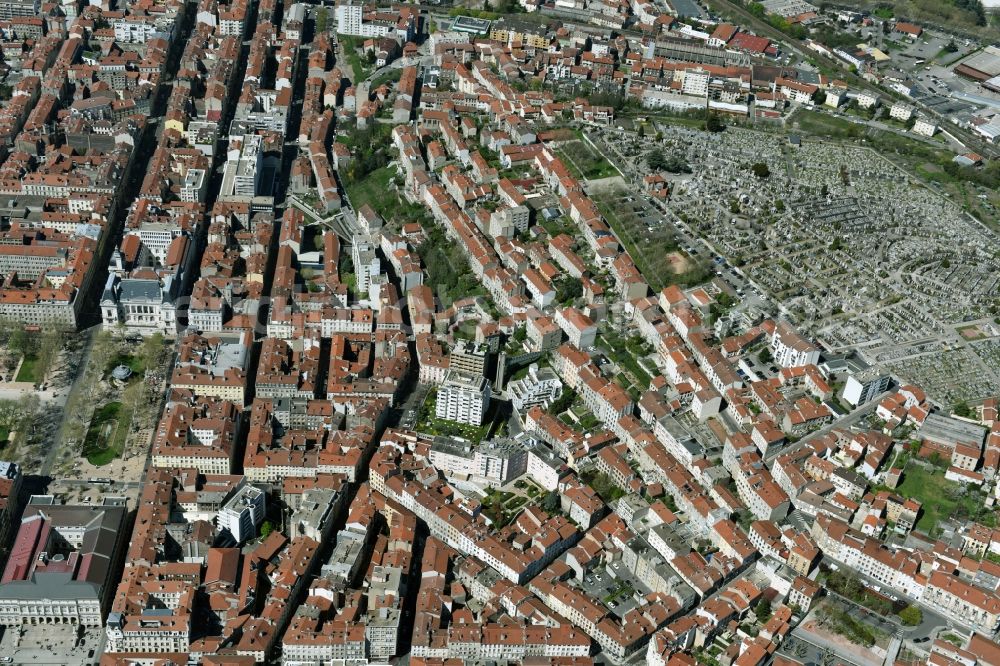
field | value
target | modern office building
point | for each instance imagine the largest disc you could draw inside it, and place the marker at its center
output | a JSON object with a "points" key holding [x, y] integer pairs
{"points": [[242, 174], [865, 386], [366, 261], [243, 513]]}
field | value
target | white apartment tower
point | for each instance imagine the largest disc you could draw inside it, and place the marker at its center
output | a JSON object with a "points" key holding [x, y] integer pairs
{"points": [[366, 262], [463, 398], [348, 16]]}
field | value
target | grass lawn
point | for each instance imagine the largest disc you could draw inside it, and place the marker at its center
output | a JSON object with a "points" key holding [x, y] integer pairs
{"points": [[913, 151], [28, 372], [502, 507], [390, 77], [825, 124], [933, 491], [624, 235], [857, 112], [844, 624], [429, 424], [373, 190], [650, 249], [560, 225], [106, 434], [622, 353], [693, 122], [351, 280], [435, 426], [584, 163], [588, 421], [360, 67], [972, 332], [131, 361], [447, 268]]}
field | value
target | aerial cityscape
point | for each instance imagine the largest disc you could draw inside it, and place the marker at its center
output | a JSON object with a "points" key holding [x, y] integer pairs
{"points": [[500, 332]]}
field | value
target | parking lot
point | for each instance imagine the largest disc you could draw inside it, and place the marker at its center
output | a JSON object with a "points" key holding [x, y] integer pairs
{"points": [[616, 591]]}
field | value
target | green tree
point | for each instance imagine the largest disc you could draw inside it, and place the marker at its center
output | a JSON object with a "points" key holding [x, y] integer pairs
{"points": [[563, 402], [714, 123], [676, 164], [763, 610], [911, 616], [568, 289], [51, 343], [23, 342], [266, 528], [28, 406], [961, 408], [656, 159], [551, 502], [10, 410], [153, 352], [761, 170]]}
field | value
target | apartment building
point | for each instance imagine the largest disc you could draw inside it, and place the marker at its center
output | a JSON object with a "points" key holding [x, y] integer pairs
{"points": [[578, 327], [970, 605], [541, 386], [494, 462], [924, 126], [790, 349], [463, 398], [10, 9], [469, 358], [901, 112]]}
